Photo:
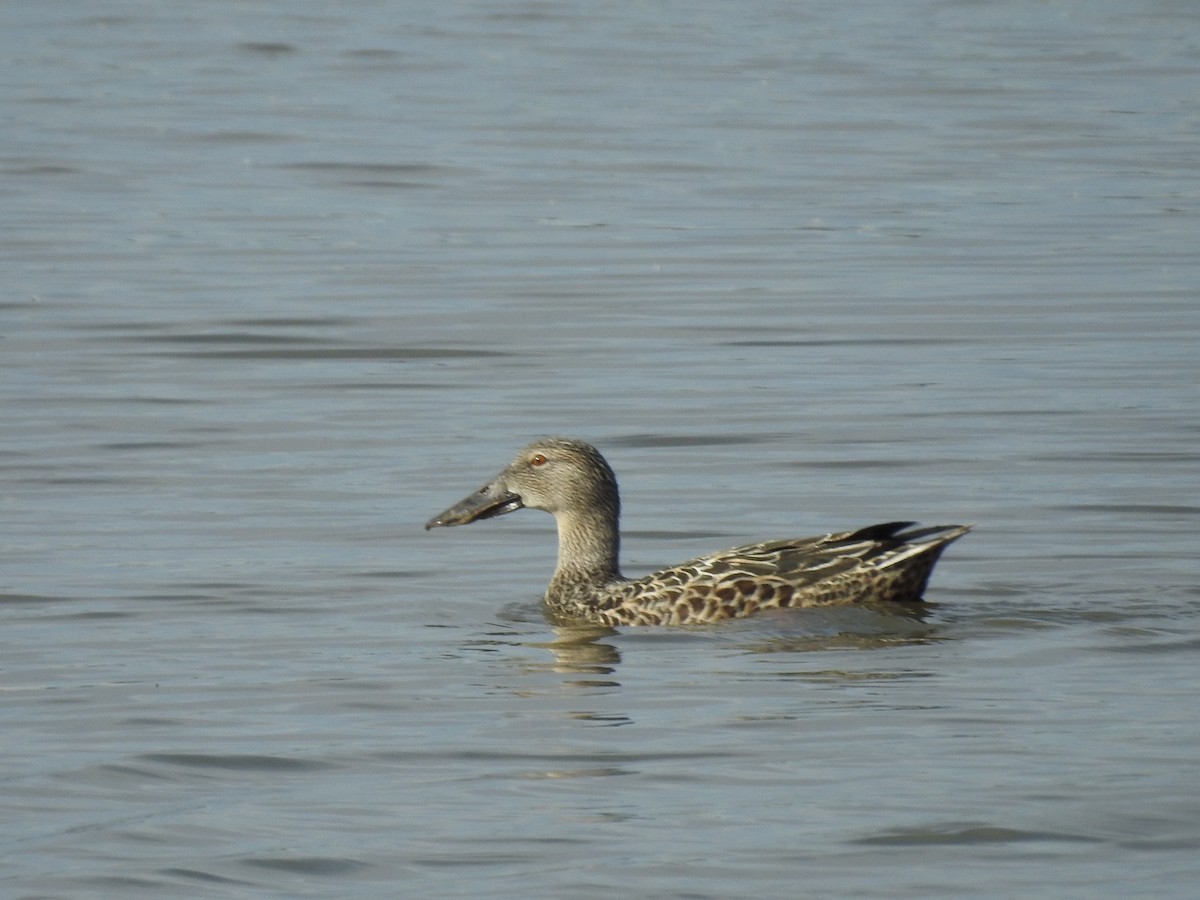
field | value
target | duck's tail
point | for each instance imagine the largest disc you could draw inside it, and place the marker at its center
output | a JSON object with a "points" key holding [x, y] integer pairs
{"points": [[907, 557]]}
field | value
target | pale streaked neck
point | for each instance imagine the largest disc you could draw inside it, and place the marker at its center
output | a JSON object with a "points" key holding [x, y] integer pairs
{"points": [[588, 549]]}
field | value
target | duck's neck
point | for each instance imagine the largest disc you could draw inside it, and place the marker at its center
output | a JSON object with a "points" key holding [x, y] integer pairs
{"points": [[588, 552]]}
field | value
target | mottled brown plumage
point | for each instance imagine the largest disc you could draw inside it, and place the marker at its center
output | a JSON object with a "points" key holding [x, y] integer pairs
{"points": [[571, 480]]}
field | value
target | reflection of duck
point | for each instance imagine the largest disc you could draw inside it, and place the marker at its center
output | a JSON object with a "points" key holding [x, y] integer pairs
{"points": [[581, 649], [571, 480]]}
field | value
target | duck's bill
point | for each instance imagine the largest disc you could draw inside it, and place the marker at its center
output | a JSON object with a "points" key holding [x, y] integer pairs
{"points": [[486, 503]]}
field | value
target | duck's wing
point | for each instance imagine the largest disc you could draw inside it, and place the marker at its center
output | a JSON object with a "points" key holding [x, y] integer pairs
{"points": [[807, 561]]}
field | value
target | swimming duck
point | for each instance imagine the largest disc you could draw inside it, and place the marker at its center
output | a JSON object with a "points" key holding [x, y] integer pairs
{"points": [[573, 482]]}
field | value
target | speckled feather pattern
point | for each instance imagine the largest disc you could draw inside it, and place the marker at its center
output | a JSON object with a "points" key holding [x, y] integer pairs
{"points": [[890, 562], [820, 571]]}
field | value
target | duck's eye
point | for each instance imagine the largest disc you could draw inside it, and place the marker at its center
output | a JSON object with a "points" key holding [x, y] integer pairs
{"points": [[537, 460]]}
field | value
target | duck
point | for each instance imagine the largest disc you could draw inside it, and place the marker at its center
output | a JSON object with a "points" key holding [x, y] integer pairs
{"points": [[888, 563]]}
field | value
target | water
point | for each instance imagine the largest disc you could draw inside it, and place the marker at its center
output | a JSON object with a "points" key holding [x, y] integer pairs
{"points": [[282, 280]]}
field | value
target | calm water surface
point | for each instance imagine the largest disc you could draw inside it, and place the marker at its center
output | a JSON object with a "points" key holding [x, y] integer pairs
{"points": [[284, 279]]}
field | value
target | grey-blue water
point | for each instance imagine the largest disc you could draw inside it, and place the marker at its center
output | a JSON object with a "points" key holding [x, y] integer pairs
{"points": [[283, 279]]}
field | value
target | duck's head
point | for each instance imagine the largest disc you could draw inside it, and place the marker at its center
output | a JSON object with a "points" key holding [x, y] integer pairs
{"points": [[562, 476]]}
